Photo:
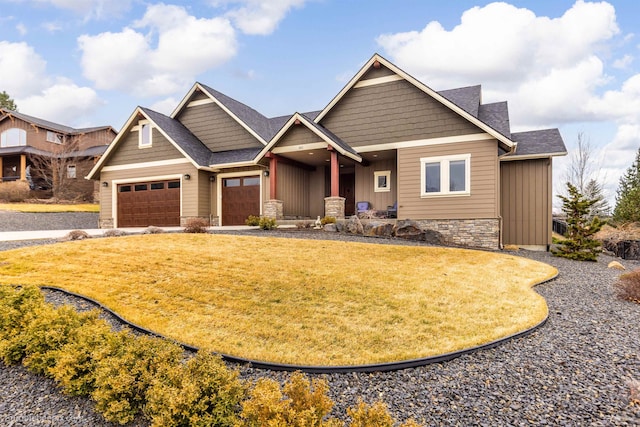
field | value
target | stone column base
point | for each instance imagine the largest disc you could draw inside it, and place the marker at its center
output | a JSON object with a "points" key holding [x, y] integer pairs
{"points": [[273, 209], [334, 206], [105, 223]]}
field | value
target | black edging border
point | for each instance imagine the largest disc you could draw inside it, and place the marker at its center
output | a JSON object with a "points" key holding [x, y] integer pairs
{"points": [[376, 367]]}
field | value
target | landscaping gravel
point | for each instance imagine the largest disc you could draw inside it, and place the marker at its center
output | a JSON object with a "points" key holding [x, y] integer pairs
{"points": [[575, 370], [26, 221]]}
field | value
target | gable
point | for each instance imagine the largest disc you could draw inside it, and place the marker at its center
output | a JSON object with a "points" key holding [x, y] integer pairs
{"points": [[298, 135], [215, 128], [128, 152], [392, 111]]}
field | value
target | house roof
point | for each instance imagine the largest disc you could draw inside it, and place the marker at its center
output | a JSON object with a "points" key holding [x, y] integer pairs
{"points": [[181, 136], [496, 115], [45, 124], [244, 155], [537, 143], [468, 98]]}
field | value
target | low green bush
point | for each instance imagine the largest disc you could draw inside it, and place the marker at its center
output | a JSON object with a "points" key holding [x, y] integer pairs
{"points": [[252, 220], [328, 220], [19, 306], [202, 392], [267, 223], [125, 369], [628, 286]]}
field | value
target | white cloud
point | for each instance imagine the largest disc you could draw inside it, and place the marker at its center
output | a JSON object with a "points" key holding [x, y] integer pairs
{"points": [[623, 63], [63, 102], [22, 70], [546, 67], [176, 48], [21, 28], [165, 106], [259, 17]]}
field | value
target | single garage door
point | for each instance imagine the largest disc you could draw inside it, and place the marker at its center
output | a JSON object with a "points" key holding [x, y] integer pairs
{"points": [[240, 198], [149, 203]]}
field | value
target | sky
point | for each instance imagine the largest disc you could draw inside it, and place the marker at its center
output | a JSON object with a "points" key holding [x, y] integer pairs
{"points": [[574, 65]]}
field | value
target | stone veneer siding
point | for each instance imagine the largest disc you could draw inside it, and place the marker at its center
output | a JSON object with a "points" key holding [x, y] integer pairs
{"points": [[273, 209], [334, 206], [105, 223], [481, 233]]}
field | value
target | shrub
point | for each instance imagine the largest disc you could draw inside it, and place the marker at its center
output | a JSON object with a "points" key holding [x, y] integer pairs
{"points": [[376, 415], [153, 230], [303, 224], [202, 392], [252, 220], [267, 223], [328, 220], [628, 286], [302, 404], [125, 369], [76, 361], [18, 308], [196, 225], [14, 191], [77, 235], [114, 232]]}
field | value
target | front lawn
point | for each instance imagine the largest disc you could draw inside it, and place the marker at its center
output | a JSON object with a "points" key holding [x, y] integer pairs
{"points": [[296, 301], [49, 207]]}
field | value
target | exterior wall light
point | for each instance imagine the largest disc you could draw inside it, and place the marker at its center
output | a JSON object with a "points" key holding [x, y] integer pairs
{"points": [[105, 184], [266, 173], [187, 176], [212, 178]]}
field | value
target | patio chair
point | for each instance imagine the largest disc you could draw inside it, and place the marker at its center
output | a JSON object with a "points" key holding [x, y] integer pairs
{"points": [[392, 211], [362, 207]]}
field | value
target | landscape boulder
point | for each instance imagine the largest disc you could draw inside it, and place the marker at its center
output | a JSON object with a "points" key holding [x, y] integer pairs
{"points": [[410, 230], [353, 225], [378, 229], [331, 227]]}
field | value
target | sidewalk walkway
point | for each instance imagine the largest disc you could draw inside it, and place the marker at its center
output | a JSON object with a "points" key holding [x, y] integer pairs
{"points": [[9, 236]]}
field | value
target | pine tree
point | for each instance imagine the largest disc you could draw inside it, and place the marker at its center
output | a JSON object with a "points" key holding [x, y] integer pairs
{"points": [[579, 244], [628, 195], [601, 208], [7, 102]]}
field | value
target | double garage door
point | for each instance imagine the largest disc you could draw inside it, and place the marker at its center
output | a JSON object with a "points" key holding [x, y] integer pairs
{"points": [[149, 203]]}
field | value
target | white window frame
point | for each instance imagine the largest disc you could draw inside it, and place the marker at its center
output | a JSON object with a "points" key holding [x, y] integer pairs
{"points": [[444, 175], [71, 171], [141, 126], [56, 138], [376, 186], [21, 138]]}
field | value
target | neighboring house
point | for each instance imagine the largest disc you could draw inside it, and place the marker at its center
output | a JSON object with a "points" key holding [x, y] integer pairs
{"points": [[450, 162], [31, 148]]}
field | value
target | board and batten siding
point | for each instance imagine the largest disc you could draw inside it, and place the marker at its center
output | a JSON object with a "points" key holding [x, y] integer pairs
{"points": [[189, 188], [526, 187], [365, 184], [128, 152], [483, 200], [293, 190], [216, 129], [392, 112]]}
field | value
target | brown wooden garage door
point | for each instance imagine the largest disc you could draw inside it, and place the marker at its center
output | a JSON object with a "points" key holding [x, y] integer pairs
{"points": [[149, 203], [240, 198]]}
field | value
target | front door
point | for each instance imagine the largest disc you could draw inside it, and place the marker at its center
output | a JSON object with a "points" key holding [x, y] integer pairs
{"points": [[347, 190]]}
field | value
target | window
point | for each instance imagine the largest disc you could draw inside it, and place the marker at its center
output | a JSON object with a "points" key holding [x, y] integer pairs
{"points": [[445, 175], [140, 187], [145, 135], [251, 181], [157, 186], [54, 137], [13, 137], [381, 181], [235, 182], [71, 171], [125, 188]]}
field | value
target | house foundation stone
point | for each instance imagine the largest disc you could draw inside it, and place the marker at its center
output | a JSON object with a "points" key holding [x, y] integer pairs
{"points": [[480, 233], [334, 206], [273, 209], [105, 223]]}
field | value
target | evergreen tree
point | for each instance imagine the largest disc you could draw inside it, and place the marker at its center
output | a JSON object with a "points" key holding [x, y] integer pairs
{"points": [[628, 195], [579, 244], [7, 102], [601, 208]]}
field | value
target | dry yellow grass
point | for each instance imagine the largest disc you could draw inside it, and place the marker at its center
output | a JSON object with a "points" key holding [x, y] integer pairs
{"points": [[49, 208], [296, 301]]}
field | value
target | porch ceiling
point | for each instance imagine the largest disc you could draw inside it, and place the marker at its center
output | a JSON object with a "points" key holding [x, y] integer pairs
{"points": [[320, 157]]}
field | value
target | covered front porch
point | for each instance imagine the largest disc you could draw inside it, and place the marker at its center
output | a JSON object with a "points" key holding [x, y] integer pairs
{"points": [[13, 167]]}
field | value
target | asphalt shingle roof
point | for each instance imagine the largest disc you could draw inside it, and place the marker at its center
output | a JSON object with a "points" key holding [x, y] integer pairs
{"points": [[45, 124], [182, 136], [546, 141], [467, 98], [233, 156], [496, 115]]}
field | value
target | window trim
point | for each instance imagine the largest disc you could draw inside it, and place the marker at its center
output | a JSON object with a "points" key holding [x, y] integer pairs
{"points": [[445, 181], [141, 126], [376, 187], [21, 138], [53, 137]]}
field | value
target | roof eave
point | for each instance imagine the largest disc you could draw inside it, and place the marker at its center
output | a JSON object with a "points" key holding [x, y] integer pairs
{"points": [[511, 157]]}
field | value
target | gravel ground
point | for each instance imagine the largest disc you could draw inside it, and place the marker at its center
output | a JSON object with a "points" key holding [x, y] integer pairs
{"points": [[574, 371], [24, 221]]}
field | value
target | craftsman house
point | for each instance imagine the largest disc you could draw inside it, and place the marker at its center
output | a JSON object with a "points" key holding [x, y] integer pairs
{"points": [[441, 158], [50, 156]]}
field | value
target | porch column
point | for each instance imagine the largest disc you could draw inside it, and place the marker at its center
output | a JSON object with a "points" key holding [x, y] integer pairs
{"points": [[273, 175], [23, 167], [335, 172], [1, 169]]}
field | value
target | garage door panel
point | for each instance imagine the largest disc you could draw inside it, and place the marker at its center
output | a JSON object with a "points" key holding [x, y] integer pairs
{"points": [[240, 198], [149, 203]]}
